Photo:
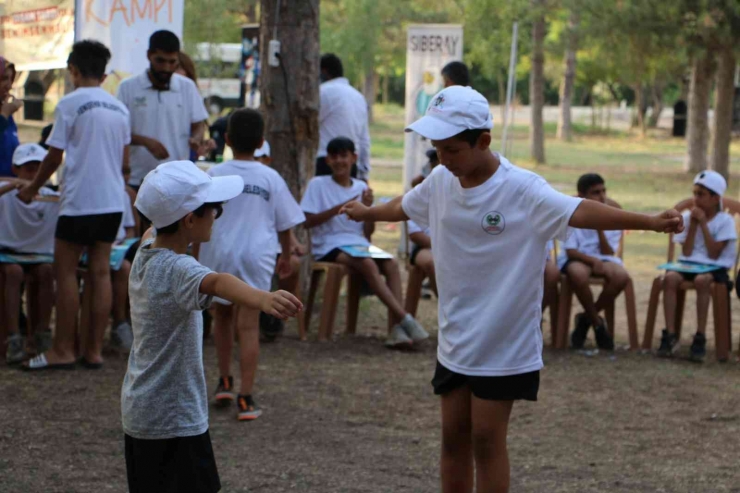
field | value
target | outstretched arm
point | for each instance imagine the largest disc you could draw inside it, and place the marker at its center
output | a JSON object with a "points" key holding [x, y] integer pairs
{"points": [[390, 212], [595, 215], [279, 304]]}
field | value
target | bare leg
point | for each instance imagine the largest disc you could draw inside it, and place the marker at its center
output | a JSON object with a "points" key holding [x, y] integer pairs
{"points": [[369, 270], [102, 299], [702, 282], [616, 280], [579, 275], [120, 292], [40, 295], [456, 465], [13, 277], [248, 325], [290, 283], [490, 426], [670, 292], [223, 333], [393, 281], [425, 260], [552, 276]]}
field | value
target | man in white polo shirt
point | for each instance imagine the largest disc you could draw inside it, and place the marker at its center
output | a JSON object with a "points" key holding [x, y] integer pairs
{"points": [[342, 113], [167, 113]]}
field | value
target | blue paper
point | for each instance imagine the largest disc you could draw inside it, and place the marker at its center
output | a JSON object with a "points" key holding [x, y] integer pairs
{"points": [[25, 258], [362, 251], [688, 267]]}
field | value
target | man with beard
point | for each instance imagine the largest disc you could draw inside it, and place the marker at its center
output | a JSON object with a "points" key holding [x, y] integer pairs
{"points": [[167, 112]]}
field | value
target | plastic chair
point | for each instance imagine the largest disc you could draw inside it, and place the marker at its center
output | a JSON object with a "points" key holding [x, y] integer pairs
{"points": [[554, 306], [334, 274], [719, 294]]}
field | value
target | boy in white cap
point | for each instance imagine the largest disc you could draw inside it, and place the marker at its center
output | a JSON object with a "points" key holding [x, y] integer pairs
{"points": [[164, 404], [26, 228], [709, 240], [489, 223]]}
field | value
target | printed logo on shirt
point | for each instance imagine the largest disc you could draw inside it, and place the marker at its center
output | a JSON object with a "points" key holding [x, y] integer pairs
{"points": [[255, 190], [493, 223], [98, 104], [140, 102]]}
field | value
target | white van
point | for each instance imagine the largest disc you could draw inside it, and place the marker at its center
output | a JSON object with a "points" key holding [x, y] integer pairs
{"points": [[217, 65]]}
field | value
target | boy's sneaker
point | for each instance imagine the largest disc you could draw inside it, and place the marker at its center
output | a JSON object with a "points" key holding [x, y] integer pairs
{"points": [[398, 338], [225, 392], [248, 409], [578, 337], [413, 328], [122, 336], [603, 339], [668, 344], [16, 352], [698, 350]]}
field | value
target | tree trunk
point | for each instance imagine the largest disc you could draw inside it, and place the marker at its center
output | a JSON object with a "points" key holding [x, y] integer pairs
{"points": [[290, 96], [641, 108], [385, 89], [565, 128], [369, 90], [537, 85], [657, 105], [697, 138], [723, 105]]}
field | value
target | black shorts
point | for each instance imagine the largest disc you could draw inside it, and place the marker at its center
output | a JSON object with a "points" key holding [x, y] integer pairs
{"points": [[323, 169], [719, 275], [509, 388], [88, 230], [174, 465], [332, 257]]}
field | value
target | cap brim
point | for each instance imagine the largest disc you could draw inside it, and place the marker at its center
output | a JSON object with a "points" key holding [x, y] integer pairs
{"points": [[434, 129], [225, 188]]}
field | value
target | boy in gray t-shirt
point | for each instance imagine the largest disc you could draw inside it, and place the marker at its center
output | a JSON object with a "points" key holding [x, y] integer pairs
{"points": [[164, 404]]}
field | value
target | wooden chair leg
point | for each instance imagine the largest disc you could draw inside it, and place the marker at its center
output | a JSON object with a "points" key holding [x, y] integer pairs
{"points": [[719, 303], [308, 308], [609, 315], [680, 304], [354, 282], [647, 338], [331, 298], [566, 299], [413, 290], [629, 302], [554, 318]]}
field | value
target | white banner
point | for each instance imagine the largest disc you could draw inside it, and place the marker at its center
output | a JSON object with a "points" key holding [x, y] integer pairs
{"points": [[429, 47], [124, 26], [36, 34]]}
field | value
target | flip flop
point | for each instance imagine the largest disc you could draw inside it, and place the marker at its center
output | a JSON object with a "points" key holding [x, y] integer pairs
{"points": [[39, 363], [89, 366]]}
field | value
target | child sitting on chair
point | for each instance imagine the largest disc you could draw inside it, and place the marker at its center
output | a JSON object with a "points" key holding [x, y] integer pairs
{"points": [[324, 196], [552, 276], [421, 252], [708, 240], [590, 252]]}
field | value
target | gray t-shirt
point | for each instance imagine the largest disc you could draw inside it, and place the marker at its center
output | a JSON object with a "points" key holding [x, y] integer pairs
{"points": [[164, 391]]}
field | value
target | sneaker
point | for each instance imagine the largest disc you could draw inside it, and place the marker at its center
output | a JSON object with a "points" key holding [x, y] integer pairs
{"points": [[578, 337], [603, 339], [698, 349], [16, 352], [122, 337], [413, 328], [426, 290], [43, 341], [668, 344], [398, 338], [270, 327], [225, 392], [248, 409]]}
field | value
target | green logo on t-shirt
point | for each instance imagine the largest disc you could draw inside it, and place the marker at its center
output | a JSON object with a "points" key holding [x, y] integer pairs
{"points": [[493, 223]]}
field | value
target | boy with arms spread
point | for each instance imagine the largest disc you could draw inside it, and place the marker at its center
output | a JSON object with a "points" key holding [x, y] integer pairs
{"points": [[164, 404], [489, 223]]}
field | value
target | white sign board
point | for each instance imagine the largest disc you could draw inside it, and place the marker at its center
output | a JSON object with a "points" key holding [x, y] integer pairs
{"points": [[429, 48], [124, 26]]}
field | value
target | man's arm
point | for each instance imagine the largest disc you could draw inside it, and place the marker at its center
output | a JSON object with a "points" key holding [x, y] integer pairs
{"points": [[391, 212], [197, 136], [49, 165], [126, 168], [280, 304], [595, 215], [154, 146]]}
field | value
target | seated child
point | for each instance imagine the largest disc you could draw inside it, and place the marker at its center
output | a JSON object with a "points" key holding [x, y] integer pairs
{"points": [[710, 239], [26, 228], [590, 252], [324, 196], [244, 243], [164, 404], [433, 160], [421, 252], [552, 276]]}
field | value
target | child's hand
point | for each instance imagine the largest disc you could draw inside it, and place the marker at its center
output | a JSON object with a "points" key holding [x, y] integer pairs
{"points": [[698, 215], [284, 269], [367, 197], [670, 221], [282, 305], [356, 211]]}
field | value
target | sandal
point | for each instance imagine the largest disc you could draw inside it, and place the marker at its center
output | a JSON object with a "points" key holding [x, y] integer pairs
{"points": [[39, 362], [89, 366]]}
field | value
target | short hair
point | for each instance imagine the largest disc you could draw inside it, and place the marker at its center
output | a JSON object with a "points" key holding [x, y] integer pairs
{"points": [[457, 72], [89, 57], [472, 135], [332, 65], [173, 228], [432, 155], [585, 182], [338, 145], [165, 41], [186, 63], [246, 129]]}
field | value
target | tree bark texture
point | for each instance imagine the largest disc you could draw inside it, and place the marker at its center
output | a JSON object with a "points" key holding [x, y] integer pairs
{"points": [[565, 125], [537, 85], [722, 128], [697, 138]]}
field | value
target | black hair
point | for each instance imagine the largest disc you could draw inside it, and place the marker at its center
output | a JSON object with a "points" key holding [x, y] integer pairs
{"points": [[245, 130], [165, 41], [432, 155], [45, 133], [472, 135], [339, 144], [457, 72], [175, 227], [587, 181], [332, 65], [90, 58]]}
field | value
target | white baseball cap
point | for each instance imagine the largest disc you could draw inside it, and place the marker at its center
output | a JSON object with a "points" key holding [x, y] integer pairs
{"points": [[711, 180], [27, 153], [175, 189], [263, 151], [453, 110]]}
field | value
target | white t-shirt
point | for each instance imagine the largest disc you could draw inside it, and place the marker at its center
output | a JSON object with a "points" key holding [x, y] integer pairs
{"points": [[128, 220], [322, 194], [489, 255], [415, 228], [92, 127], [245, 238], [28, 228], [162, 115], [722, 228], [586, 241]]}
